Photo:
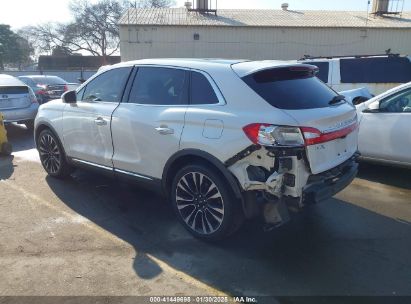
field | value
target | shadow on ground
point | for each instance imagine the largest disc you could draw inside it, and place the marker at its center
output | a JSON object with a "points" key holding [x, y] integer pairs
{"points": [[335, 248], [21, 138], [6, 167], [393, 176]]}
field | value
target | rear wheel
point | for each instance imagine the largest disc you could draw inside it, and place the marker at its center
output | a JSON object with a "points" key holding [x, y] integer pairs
{"points": [[52, 155], [29, 125], [204, 203]]}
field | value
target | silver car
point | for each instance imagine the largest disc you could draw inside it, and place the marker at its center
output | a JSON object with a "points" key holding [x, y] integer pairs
{"points": [[17, 101]]}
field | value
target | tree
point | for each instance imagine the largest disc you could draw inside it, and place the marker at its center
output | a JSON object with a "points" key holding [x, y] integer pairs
{"points": [[94, 29], [155, 3], [14, 49]]}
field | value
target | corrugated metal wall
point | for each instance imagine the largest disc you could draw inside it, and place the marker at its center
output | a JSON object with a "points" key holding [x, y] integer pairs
{"points": [[258, 43]]}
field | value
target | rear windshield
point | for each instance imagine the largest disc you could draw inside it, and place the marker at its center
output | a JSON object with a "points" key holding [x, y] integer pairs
{"points": [[13, 90], [291, 88], [49, 80]]}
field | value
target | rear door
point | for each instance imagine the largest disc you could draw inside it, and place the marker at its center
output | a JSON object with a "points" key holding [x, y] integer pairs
{"points": [[147, 129], [385, 134], [87, 123]]}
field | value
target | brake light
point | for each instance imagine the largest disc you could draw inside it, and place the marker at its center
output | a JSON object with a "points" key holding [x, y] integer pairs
{"points": [[33, 97], [313, 136], [66, 88]]}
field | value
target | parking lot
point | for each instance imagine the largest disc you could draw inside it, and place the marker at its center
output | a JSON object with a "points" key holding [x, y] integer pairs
{"points": [[90, 235]]}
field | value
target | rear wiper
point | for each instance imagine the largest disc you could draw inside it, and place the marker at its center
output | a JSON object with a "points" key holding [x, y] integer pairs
{"points": [[337, 99]]}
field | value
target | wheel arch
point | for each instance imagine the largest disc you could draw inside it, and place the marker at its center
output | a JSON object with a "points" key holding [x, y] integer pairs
{"points": [[193, 155], [43, 126]]}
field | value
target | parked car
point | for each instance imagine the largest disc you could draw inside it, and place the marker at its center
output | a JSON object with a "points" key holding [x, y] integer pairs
{"points": [[357, 96], [223, 140], [377, 73], [17, 101], [46, 87], [385, 123]]}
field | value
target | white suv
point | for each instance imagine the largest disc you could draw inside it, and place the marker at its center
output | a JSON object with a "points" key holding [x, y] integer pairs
{"points": [[223, 140]]}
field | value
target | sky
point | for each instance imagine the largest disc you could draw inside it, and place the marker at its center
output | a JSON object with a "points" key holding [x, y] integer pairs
{"points": [[20, 13]]}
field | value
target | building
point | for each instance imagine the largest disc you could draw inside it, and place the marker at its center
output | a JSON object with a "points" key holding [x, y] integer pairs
{"points": [[260, 34], [47, 63]]}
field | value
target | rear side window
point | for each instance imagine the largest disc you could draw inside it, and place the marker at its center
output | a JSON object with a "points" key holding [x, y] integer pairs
{"points": [[291, 88], [160, 86], [202, 92], [324, 70], [376, 70], [107, 87], [14, 90]]}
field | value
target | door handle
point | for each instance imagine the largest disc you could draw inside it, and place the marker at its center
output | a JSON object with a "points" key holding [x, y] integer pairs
{"points": [[165, 130], [100, 121]]}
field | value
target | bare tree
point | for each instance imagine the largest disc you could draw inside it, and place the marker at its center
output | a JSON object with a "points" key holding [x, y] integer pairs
{"points": [[94, 29], [156, 3]]}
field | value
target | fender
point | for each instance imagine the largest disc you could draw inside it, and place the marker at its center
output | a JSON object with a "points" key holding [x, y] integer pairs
{"points": [[208, 157]]}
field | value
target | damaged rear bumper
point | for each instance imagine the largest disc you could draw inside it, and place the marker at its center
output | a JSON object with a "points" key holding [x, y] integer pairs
{"points": [[274, 181], [323, 186]]}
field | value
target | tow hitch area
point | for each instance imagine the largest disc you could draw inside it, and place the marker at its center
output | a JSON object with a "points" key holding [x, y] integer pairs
{"points": [[268, 176]]}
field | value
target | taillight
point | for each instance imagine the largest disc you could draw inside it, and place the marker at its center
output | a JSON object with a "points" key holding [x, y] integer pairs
{"points": [[284, 136], [33, 97], [66, 88], [313, 136], [274, 136]]}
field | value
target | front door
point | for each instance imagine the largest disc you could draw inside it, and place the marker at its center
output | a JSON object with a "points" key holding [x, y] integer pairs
{"points": [[87, 123], [385, 134], [147, 129]]}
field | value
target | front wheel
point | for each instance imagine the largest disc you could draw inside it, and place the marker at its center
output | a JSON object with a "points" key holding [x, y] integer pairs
{"points": [[52, 155], [204, 203]]}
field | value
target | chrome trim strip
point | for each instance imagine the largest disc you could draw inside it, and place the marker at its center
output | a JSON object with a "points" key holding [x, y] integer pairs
{"points": [[91, 164], [110, 169], [132, 174]]}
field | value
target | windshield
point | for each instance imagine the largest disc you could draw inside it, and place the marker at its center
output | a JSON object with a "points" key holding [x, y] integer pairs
{"points": [[291, 88], [49, 80]]}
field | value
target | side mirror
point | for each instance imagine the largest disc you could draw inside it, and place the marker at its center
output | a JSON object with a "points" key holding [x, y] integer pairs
{"points": [[373, 108], [69, 97]]}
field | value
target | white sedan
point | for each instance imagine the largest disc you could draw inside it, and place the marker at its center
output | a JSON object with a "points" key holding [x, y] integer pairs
{"points": [[385, 127]]}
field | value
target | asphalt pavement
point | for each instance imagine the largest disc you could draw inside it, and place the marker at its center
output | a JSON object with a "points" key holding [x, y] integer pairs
{"points": [[90, 235]]}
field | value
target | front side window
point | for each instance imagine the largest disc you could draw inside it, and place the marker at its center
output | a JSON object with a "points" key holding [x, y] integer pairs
{"points": [[202, 92], [160, 86], [107, 87], [400, 102]]}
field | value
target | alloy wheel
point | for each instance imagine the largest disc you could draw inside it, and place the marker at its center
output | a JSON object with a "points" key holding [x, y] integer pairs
{"points": [[200, 203], [50, 154]]}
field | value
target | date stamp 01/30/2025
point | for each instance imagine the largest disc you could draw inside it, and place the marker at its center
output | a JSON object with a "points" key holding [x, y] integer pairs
{"points": [[198, 299]]}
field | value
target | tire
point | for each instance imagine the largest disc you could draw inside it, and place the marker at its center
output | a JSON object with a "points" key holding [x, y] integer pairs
{"points": [[52, 155], [213, 213], [359, 100], [29, 125], [6, 149]]}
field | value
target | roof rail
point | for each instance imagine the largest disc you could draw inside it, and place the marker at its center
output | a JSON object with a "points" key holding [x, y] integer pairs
{"points": [[308, 57]]}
